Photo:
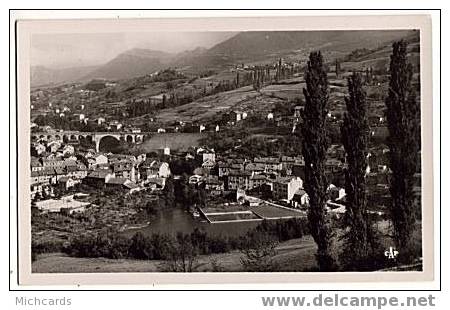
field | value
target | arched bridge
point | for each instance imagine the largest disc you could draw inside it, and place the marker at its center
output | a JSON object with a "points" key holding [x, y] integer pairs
{"points": [[90, 136]]}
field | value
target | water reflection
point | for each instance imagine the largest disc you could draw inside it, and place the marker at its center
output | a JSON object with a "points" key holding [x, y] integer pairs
{"points": [[173, 220]]}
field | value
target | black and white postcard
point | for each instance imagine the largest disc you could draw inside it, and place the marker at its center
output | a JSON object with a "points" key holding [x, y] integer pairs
{"points": [[225, 150]]}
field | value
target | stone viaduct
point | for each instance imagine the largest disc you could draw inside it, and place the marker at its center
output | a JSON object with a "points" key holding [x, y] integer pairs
{"points": [[96, 137]]}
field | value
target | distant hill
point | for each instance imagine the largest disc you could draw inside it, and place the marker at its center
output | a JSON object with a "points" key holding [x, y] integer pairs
{"points": [[247, 45], [40, 75], [243, 46], [132, 63]]}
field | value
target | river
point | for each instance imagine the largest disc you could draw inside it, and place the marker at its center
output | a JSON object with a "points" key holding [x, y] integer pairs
{"points": [[171, 221]]}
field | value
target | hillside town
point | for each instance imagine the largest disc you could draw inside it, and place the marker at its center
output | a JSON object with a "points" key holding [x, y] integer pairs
{"points": [[220, 153], [67, 165]]}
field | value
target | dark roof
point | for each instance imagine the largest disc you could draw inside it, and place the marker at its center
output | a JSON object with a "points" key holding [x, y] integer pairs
{"points": [[300, 192], [60, 170], [118, 181], [131, 185], [255, 167], [240, 173], [258, 177], [70, 162], [71, 168], [122, 166], [213, 180], [99, 174], [64, 179], [157, 181], [151, 163], [267, 160]]}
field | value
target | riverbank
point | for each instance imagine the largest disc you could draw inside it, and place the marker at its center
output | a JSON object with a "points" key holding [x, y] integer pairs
{"points": [[292, 255]]}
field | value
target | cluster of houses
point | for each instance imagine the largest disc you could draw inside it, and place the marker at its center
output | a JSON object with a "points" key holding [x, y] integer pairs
{"points": [[283, 177], [280, 179], [60, 166]]}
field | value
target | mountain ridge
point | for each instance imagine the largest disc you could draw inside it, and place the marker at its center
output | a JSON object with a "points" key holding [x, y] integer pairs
{"points": [[242, 47]]}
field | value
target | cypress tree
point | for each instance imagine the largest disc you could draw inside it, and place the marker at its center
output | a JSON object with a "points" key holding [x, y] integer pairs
{"points": [[338, 68], [314, 148], [164, 101], [403, 119], [355, 136], [367, 76], [278, 71]]}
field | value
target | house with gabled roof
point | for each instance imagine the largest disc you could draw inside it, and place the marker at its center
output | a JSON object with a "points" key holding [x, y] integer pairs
{"points": [[98, 178], [151, 168], [121, 183]]}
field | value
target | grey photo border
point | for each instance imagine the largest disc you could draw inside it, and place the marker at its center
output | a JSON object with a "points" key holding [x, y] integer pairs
{"points": [[26, 28]]}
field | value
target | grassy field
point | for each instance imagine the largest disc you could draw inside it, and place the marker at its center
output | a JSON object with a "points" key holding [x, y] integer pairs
{"points": [[244, 99], [285, 91], [267, 211], [175, 141], [292, 255]]}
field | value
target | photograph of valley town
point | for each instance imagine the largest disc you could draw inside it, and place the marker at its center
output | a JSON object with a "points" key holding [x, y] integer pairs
{"points": [[214, 151]]}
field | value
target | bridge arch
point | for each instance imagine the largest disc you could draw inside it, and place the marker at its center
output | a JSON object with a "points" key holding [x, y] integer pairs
{"points": [[139, 138], [107, 142], [130, 138]]}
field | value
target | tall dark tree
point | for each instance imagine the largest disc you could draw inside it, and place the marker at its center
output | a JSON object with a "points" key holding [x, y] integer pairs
{"points": [[355, 138], [338, 68], [403, 119], [164, 101], [278, 71], [314, 147], [257, 82], [169, 193]]}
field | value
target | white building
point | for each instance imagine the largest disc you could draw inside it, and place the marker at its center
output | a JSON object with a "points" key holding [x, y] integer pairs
{"points": [[68, 150], [64, 205], [100, 159], [204, 154], [335, 193], [154, 169], [284, 188], [166, 150], [301, 197]]}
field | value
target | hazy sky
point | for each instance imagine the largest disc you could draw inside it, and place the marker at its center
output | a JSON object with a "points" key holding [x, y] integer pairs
{"points": [[73, 50]]}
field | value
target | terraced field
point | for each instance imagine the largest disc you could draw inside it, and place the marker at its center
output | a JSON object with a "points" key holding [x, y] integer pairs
{"points": [[267, 211], [232, 217], [244, 99]]}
